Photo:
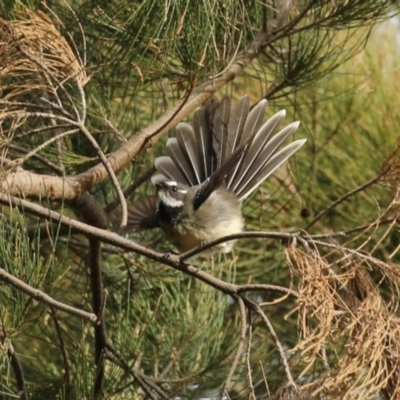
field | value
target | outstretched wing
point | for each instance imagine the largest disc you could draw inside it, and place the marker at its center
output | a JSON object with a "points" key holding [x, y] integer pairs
{"points": [[143, 214]]}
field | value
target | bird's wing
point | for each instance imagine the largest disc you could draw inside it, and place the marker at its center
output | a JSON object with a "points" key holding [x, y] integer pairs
{"points": [[143, 214]]}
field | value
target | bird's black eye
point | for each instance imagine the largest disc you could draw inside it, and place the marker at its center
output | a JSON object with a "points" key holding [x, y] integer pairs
{"points": [[174, 188]]}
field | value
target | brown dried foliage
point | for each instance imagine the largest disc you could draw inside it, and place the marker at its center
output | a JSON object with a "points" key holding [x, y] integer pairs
{"points": [[30, 45], [346, 324], [39, 74]]}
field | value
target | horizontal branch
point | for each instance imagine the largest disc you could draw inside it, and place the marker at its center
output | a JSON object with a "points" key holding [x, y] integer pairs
{"points": [[172, 260], [242, 235], [28, 184]]}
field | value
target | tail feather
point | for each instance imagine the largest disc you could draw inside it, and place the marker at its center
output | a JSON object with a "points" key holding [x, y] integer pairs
{"points": [[236, 124], [228, 146], [168, 167], [251, 127], [254, 120], [220, 130], [187, 142], [182, 161], [275, 162], [258, 143], [202, 127], [260, 153]]}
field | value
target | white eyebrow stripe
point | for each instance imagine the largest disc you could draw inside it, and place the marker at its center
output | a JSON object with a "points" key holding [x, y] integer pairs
{"points": [[171, 183]]}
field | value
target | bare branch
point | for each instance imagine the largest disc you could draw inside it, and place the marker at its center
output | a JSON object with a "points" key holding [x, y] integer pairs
{"points": [[18, 371], [252, 394], [64, 354], [45, 298], [239, 348], [146, 383], [343, 198], [131, 189], [278, 345], [114, 179], [249, 234]]}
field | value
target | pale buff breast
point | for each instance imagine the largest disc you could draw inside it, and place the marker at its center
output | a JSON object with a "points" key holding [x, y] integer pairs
{"points": [[219, 216]]}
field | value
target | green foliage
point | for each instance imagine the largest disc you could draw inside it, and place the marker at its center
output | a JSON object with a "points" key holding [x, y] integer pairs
{"points": [[141, 57]]}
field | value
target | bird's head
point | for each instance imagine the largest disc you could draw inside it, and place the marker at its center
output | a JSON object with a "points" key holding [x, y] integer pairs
{"points": [[170, 193]]}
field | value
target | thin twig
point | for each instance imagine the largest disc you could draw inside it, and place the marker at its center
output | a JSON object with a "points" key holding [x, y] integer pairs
{"points": [[265, 286], [239, 350], [131, 189], [82, 120], [41, 129], [25, 104], [369, 225], [64, 354], [252, 394], [43, 160], [100, 333], [265, 378], [46, 143], [122, 388], [49, 75], [45, 298], [343, 198], [59, 149], [278, 345], [145, 382], [352, 252], [107, 165], [18, 372]]}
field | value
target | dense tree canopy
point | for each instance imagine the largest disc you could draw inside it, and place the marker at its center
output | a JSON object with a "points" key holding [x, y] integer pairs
{"points": [[305, 307]]}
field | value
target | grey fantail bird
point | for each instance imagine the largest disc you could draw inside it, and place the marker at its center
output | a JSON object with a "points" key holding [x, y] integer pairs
{"points": [[211, 166]]}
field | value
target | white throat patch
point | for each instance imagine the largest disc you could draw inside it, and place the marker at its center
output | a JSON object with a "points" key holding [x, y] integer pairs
{"points": [[168, 200]]}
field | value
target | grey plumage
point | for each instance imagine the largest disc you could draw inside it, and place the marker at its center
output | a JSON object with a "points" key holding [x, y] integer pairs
{"points": [[237, 122], [227, 150], [220, 128]]}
